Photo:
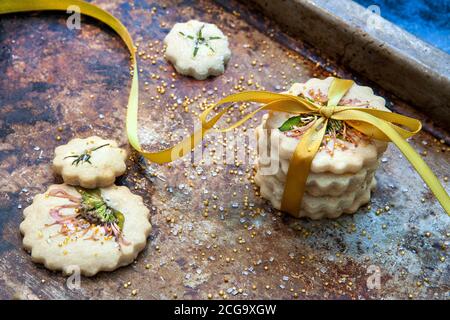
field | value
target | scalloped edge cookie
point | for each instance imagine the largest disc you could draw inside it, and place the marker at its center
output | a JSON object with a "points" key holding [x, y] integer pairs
{"points": [[209, 60], [352, 159], [56, 252], [318, 184], [105, 164], [317, 207], [329, 184]]}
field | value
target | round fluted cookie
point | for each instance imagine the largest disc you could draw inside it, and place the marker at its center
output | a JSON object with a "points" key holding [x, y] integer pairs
{"points": [[91, 163], [317, 184], [92, 230], [329, 184], [351, 158], [321, 206], [197, 49]]}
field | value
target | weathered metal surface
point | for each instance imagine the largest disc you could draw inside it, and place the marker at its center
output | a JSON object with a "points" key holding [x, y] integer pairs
{"points": [[78, 81]]}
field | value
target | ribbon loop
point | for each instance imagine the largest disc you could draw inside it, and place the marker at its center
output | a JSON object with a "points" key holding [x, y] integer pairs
{"points": [[337, 91]]}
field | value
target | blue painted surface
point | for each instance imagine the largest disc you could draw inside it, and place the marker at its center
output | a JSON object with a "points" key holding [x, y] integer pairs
{"points": [[428, 20]]}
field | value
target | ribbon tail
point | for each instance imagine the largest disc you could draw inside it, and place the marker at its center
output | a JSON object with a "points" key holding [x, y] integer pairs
{"points": [[359, 119], [421, 167], [285, 104], [392, 133], [177, 151], [131, 121], [186, 145], [300, 165]]}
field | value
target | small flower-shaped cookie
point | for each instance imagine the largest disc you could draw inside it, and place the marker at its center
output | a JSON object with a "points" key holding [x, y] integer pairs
{"points": [[91, 163], [197, 49]]}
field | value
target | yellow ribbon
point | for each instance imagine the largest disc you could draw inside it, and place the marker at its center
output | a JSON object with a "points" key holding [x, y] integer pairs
{"points": [[377, 124], [374, 123]]}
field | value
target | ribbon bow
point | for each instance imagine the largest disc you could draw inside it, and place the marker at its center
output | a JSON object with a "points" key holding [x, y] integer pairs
{"points": [[373, 123]]}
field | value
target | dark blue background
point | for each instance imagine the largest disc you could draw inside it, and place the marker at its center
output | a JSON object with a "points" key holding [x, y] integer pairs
{"points": [[426, 19]]}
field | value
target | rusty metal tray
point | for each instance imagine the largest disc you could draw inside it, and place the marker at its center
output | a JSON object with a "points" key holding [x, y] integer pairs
{"points": [[57, 84]]}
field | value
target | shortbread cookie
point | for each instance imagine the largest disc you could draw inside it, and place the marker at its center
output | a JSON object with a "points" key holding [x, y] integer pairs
{"points": [[197, 49], [70, 228], [317, 207], [318, 183], [91, 163], [351, 158], [330, 184], [326, 184], [342, 172]]}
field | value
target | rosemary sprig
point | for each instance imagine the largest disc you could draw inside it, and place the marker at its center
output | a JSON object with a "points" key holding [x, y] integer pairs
{"points": [[334, 126], [187, 36], [85, 156], [199, 40]]}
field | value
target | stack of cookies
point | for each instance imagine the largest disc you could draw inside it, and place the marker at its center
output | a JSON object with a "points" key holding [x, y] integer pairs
{"points": [[342, 173]]}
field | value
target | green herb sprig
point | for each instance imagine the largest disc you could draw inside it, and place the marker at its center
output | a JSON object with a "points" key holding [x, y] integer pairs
{"points": [[295, 122], [290, 123], [95, 210], [334, 127], [85, 156], [199, 40]]}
